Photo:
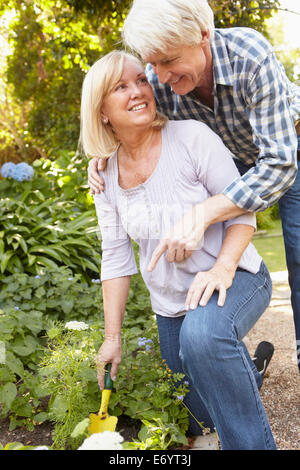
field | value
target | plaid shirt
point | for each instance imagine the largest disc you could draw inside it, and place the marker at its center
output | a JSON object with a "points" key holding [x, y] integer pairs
{"points": [[255, 108]]}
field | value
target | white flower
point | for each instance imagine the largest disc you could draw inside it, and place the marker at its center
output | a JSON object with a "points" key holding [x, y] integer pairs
{"points": [[76, 325], [106, 440], [41, 448]]}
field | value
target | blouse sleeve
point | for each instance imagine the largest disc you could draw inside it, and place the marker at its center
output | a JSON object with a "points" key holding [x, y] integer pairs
{"points": [[215, 166], [117, 253]]}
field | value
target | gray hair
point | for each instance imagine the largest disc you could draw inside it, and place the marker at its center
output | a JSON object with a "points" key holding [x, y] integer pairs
{"points": [[155, 25]]}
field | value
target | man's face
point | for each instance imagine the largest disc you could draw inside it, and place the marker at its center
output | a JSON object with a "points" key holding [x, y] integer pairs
{"points": [[184, 68]]}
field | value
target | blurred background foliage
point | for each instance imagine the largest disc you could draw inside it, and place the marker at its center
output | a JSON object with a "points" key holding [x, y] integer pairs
{"points": [[48, 46]]}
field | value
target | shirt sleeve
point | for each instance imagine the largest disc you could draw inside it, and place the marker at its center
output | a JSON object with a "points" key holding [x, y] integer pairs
{"points": [[268, 109], [117, 253]]}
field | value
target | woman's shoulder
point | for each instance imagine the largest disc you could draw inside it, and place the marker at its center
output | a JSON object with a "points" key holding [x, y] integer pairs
{"points": [[189, 129], [190, 132]]}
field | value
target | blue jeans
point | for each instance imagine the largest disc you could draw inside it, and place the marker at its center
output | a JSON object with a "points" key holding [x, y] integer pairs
{"points": [[206, 345], [289, 207]]}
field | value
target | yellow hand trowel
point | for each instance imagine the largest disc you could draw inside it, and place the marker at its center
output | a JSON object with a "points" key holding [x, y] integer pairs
{"points": [[102, 421]]}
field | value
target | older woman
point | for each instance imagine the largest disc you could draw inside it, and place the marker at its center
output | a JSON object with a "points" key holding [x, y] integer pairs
{"points": [[210, 297]]}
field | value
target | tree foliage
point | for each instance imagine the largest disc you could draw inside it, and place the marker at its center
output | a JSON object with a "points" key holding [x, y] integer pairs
{"points": [[53, 44]]}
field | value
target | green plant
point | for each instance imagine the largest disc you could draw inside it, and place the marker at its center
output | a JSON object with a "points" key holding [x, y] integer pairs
{"points": [[19, 446], [20, 392], [28, 306], [50, 233], [144, 389], [68, 374], [58, 294]]}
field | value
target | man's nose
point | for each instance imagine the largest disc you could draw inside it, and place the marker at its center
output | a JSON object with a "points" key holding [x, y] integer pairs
{"points": [[163, 74]]}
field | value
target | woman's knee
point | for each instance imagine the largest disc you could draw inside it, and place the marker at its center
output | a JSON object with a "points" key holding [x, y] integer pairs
{"points": [[199, 335]]}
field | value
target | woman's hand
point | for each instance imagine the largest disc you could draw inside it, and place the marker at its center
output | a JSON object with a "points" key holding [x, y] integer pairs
{"points": [[110, 352], [96, 182], [205, 283]]}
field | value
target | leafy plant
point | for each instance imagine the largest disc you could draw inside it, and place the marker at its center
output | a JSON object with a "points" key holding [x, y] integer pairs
{"points": [[28, 306], [144, 389], [21, 392], [48, 232], [17, 446], [55, 294]]}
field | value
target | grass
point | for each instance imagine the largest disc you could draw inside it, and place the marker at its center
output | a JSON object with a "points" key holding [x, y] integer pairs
{"points": [[271, 247]]}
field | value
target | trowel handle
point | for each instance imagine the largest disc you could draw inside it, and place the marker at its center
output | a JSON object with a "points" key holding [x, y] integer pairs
{"points": [[108, 383]]}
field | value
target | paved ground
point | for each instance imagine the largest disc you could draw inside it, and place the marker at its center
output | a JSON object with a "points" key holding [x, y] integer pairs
{"points": [[281, 389]]}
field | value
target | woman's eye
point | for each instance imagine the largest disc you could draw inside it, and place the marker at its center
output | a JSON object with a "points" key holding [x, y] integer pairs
{"points": [[143, 80], [120, 87]]}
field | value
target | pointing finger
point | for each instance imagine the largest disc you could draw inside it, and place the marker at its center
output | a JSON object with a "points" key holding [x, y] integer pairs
{"points": [[161, 248]]}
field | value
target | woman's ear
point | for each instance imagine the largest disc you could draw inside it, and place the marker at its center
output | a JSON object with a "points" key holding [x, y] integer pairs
{"points": [[104, 118]]}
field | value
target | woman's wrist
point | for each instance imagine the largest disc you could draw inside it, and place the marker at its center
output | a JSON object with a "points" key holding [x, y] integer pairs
{"points": [[227, 264], [113, 336]]}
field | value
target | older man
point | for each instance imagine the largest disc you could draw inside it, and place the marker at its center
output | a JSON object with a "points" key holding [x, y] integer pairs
{"points": [[231, 80]]}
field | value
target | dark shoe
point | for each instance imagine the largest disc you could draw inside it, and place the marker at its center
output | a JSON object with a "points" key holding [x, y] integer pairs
{"points": [[262, 356]]}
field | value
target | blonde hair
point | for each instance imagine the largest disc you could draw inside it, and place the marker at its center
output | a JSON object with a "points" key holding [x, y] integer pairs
{"points": [[99, 139], [154, 25]]}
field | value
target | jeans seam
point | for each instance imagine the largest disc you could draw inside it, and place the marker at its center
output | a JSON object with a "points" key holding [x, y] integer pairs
{"points": [[247, 366], [258, 401]]}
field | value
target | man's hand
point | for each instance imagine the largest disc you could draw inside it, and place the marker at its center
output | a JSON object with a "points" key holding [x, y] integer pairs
{"points": [[182, 240], [96, 183]]}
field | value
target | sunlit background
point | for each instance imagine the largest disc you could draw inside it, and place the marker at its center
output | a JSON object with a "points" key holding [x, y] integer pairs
{"points": [[290, 22]]}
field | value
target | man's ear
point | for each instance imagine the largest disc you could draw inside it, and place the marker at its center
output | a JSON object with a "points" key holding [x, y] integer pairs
{"points": [[205, 36]]}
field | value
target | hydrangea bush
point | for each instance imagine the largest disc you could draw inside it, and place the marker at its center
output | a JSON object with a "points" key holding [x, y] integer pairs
{"points": [[19, 172]]}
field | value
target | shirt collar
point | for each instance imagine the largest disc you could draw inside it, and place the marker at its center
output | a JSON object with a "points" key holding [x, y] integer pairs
{"points": [[223, 74]]}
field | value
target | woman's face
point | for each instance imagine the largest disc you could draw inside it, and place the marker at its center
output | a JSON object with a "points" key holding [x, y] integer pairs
{"points": [[131, 103], [184, 68]]}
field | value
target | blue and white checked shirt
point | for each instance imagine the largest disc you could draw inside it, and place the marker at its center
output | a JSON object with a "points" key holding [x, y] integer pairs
{"points": [[255, 110]]}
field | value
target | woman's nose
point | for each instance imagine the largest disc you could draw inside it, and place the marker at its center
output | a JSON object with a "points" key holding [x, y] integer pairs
{"points": [[135, 90]]}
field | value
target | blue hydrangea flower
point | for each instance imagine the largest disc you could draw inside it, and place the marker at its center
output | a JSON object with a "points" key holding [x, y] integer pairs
{"points": [[22, 172], [7, 169]]}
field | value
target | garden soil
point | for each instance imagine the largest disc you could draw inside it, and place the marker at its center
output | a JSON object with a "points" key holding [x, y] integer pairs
{"points": [[280, 391]]}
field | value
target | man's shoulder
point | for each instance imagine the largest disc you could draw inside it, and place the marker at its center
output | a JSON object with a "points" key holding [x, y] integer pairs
{"points": [[246, 43]]}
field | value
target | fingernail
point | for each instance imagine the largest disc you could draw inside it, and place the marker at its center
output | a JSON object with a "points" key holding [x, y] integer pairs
{"points": [[193, 306], [114, 378]]}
